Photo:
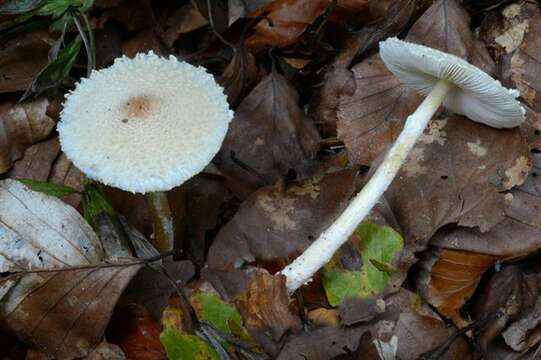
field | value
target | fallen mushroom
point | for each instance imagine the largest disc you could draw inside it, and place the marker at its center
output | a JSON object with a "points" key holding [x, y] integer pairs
{"points": [[444, 79], [145, 125]]}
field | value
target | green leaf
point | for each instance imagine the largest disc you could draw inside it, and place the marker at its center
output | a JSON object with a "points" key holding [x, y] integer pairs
{"points": [[377, 246], [49, 188], [56, 8], [13, 7], [95, 204], [53, 74], [182, 346], [178, 344], [221, 315]]}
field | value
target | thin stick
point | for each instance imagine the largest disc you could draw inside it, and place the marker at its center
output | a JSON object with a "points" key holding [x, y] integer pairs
{"points": [[104, 265]]}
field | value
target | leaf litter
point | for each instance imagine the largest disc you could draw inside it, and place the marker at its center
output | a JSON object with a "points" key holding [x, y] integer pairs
{"points": [[452, 247]]}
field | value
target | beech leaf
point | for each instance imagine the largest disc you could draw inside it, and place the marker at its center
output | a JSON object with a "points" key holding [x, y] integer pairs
{"points": [[283, 138], [64, 303], [377, 248], [22, 125]]}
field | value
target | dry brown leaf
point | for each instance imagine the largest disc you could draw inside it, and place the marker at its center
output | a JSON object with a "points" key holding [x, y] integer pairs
{"points": [[455, 174], [276, 223], [282, 138], [144, 41], [239, 75], [449, 277], [44, 162], [524, 66], [134, 330], [106, 351], [22, 125], [322, 344], [324, 317], [525, 333], [446, 26], [265, 307], [504, 296], [134, 14], [64, 313], [373, 116], [151, 288], [37, 161], [185, 19], [417, 334], [284, 22], [61, 312], [337, 82], [22, 58]]}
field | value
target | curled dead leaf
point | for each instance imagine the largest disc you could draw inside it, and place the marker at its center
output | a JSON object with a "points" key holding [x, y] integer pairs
{"points": [[22, 125], [284, 21]]}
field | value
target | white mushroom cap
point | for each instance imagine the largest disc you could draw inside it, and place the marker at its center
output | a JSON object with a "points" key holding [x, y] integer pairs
{"points": [[476, 95], [144, 124]]}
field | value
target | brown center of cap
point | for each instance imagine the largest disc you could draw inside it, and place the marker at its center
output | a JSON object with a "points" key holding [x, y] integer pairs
{"points": [[138, 107]]}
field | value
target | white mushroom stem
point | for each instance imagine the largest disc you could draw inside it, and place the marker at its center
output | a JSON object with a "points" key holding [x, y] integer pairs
{"points": [[301, 270], [162, 219]]}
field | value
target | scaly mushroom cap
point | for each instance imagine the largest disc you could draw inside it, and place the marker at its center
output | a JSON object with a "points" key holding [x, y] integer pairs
{"points": [[476, 95], [144, 124]]}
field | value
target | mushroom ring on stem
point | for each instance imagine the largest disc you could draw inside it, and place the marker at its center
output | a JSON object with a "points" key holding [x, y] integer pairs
{"points": [[145, 125], [445, 80]]}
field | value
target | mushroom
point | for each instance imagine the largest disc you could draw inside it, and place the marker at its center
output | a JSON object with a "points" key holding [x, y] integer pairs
{"points": [[145, 125], [444, 79]]}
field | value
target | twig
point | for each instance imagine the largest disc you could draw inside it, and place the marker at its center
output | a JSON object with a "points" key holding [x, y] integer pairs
{"points": [[103, 265]]}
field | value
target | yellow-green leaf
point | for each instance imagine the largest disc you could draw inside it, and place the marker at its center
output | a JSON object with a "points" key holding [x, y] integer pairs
{"points": [[377, 247]]}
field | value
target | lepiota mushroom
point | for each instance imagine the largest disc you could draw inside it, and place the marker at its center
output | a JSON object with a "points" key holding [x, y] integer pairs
{"points": [[444, 79], [145, 125]]}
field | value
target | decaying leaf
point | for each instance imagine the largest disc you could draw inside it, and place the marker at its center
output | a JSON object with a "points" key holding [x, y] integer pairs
{"points": [[363, 267], [372, 117], [180, 345], [284, 21], [22, 58], [517, 235], [410, 328], [323, 343], [22, 125], [526, 331], [151, 288], [283, 138], [501, 300], [239, 75], [185, 19], [64, 313], [106, 351], [61, 312], [276, 223], [265, 308], [446, 26], [525, 64], [41, 232], [337, 82], [448, 278], [134, 330], [463, 168]]}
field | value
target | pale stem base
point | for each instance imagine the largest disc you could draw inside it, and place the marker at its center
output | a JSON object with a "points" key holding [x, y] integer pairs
{"points": [[301, 270], [162, 221]]}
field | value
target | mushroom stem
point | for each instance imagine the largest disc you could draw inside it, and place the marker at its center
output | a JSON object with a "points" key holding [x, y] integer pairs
{"points": [[162, 221], [301, 270]]}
